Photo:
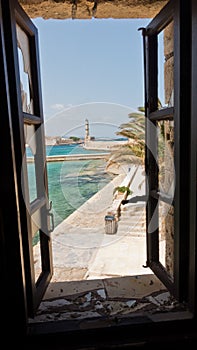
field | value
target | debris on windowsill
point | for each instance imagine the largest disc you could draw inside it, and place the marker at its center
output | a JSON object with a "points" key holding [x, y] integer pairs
{"points": [[97, 304]]}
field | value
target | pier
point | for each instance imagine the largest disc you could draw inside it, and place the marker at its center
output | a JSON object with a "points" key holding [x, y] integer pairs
{"points": [[72, 157]]}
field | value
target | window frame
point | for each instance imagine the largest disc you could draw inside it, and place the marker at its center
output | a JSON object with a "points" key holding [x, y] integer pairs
{"points": [[193, 167], [127, 331], [181, 200], [12, 14]]}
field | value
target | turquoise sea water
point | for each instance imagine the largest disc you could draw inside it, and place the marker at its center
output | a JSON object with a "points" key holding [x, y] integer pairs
{"points": [[68, 149], [70, 183]]}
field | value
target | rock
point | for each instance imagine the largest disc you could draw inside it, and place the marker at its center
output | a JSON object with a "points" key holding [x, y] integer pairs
{"points": [[86, 9]]}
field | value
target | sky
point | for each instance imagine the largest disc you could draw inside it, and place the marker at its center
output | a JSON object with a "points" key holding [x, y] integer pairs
{"points": [[90, 69]]}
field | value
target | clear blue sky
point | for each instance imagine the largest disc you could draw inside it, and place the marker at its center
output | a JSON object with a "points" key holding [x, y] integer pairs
{"points": [[90, 69]]}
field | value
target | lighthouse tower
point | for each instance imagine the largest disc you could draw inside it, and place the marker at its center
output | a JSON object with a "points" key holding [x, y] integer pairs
{"points": [[87, 132], [87, 135]]}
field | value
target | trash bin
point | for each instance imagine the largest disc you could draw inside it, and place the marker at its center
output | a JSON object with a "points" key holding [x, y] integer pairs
{"points": [[110, 224]]}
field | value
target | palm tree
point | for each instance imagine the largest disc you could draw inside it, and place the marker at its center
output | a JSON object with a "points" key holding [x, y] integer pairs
{"points": [[134, 150], [134, 130]]}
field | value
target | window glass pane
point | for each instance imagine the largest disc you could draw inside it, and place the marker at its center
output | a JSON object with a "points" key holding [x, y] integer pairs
{"points": [[166, 67], [36, 221], [35, 228], [166, 157], [25, 71], [36, 254], [30, 139], [166, 236]]}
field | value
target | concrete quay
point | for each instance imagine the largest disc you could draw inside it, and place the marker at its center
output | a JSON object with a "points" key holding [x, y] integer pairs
{"points": [[83, 251], [72, 157]]}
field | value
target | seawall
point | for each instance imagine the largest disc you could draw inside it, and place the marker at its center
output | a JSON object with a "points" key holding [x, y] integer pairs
{"points": [[72, 157]]}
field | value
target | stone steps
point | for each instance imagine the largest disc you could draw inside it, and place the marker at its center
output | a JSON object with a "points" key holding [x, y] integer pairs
{"points": [[132, 220]]}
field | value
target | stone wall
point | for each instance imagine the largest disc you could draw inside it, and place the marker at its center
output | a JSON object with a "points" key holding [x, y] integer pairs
{"points": [[169, 175], [86, 9]]}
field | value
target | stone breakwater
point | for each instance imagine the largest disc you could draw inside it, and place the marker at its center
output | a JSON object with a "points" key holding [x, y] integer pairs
{"points": [[104, 145], [72, 157]]}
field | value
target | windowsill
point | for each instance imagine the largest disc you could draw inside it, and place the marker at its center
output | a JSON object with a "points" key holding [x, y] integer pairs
{"points": [[109, 302]]}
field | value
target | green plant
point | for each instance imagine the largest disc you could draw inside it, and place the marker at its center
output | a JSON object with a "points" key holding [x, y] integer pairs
{"points": [[74, 138], [123, 189]]}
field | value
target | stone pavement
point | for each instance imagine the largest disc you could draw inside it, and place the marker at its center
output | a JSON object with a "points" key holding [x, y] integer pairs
{"points": [[82, 249]]}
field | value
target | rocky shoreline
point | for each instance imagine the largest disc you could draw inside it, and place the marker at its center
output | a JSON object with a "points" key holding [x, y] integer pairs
{"points": [[57, 140]]}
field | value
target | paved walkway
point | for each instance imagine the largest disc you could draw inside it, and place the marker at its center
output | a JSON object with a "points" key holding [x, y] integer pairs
{"points": [[82, 249]]}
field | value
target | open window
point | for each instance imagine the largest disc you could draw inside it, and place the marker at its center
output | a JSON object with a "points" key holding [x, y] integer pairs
{"points": [[28, 136], [170, 169], [167, 101]]}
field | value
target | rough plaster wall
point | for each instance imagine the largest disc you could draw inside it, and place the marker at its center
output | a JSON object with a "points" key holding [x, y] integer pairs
{"points": [[168, 224], [86, 9]]}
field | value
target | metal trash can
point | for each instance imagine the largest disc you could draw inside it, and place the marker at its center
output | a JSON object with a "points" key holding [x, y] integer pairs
{"points": [[110, 224]]}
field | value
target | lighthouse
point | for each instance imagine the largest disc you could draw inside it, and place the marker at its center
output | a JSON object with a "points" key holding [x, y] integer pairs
{"points": [[88, 138], [87, 131]]}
